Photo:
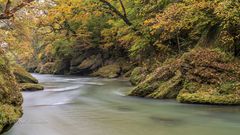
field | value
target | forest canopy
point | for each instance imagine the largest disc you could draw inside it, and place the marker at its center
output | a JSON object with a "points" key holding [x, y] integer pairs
{"points": [[53, 29]]}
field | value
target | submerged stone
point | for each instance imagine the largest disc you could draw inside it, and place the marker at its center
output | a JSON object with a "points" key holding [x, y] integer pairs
{"points": [[166, 121]]}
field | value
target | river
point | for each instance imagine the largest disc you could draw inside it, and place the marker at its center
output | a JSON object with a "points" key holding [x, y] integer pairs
{"points": [[72, 105]]}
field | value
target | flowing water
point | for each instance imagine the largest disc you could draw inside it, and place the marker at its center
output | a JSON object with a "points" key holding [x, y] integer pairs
{"points": [[90, 106]]}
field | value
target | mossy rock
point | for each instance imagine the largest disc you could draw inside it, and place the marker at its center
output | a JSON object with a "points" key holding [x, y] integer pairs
{"points": [[31, 87], [153, 81], [108, 71], [88, 65], [9, 115], [10, 96], [22, 76], [170, 88], [137, 75], [206, 98], [79, 58], [204, 76], [227, 93], [92, 62]]}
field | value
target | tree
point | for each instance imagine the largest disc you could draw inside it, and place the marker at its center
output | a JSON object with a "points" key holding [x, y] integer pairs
{"points": [[9, 11], [123, 15]]}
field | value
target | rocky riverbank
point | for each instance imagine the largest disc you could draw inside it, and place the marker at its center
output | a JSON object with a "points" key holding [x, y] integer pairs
{"points": [[204, 76], [13, 80], [87, 62], [10, 96]]}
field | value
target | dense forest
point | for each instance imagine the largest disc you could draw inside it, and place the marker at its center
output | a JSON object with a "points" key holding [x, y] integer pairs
{"points": [[186, 50]]}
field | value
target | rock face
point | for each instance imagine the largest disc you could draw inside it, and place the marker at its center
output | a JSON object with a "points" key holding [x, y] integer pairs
{"points": [[202, 76], [61, 67], [87, 65], [85, 61], [22, 75], [57, 67], [31, 87], [108, 71], [138, 74], [26, 81], [10, 97]]}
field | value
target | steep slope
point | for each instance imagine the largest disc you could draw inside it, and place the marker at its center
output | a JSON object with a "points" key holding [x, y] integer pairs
{"points": [[10, 96]]}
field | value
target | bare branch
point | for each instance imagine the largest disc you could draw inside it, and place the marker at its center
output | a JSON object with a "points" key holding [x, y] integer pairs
{"points": [[7, 7], [123, 8], [117, 12], [9, 13]]}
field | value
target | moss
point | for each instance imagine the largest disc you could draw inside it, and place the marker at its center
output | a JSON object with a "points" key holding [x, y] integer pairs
{"points": [[87, 63], [2, 61], [8, 116], [169, 89], [206, 76], [22, 75], [227, 88], [144, 89], [191, 87], [31, 87], [138, 74], [10, 96], [154, 80], [206, 98]]}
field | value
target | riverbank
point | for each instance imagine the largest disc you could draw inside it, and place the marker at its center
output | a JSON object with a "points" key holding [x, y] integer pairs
{"points": [[200, 76], [13, 80], [10, 96]]}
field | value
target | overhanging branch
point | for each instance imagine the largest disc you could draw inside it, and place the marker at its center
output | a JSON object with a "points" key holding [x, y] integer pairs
{"points": [[9, 13]]}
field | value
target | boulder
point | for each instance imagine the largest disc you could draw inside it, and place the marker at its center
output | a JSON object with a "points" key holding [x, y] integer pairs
{"points": [[10, 96], [204, 76], [79, 58], [22, 76], [88, 65], [137, 75], [25, 80], [108, 71], [30, 87]]}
